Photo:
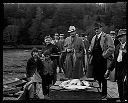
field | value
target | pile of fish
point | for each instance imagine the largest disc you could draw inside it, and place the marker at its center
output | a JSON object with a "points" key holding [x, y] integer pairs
{"points": [[75, 84]]}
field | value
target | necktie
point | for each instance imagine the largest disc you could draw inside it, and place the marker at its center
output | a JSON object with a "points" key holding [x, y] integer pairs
{"points": [[96, 37]]}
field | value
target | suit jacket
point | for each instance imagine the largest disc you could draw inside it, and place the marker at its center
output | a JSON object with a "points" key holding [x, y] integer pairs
{"points": [[61, 45], [106, 44], [114, 63]]}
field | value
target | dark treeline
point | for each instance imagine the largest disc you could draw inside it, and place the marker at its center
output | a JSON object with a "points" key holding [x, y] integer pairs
{"points": [[29, 23]]}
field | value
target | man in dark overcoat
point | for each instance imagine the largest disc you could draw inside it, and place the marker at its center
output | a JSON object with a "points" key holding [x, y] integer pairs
{"points": [[120, 63]]}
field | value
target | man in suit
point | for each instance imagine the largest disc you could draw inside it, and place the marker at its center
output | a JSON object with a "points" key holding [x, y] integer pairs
{"points": [[56, 43], [74, 48], [86, 44], [113, 35], [120, 64], [56, 39], [63, 54], [101, 49], [116, 42]]}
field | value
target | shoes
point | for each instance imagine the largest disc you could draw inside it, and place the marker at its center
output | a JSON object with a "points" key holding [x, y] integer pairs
{"points": [[46, 97], [104, 97], [122, 101]]}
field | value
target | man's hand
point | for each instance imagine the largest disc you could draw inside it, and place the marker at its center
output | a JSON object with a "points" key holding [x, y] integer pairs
{"points": [[69, 50], [106, 75]]}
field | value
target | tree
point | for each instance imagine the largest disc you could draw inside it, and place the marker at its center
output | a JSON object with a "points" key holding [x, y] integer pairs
{"points": [[10, 34], [34, 30]]}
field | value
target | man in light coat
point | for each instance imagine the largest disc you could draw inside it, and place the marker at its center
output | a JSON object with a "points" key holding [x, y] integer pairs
{"points": [[101, 49], [74, 48]]}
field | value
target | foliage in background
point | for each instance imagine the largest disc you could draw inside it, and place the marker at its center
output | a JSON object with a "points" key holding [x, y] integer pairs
{"points": [[34, 21]]}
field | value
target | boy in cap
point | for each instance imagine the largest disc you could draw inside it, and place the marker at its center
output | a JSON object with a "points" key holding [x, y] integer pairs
{"points": [[48, 75], [51, 49]]}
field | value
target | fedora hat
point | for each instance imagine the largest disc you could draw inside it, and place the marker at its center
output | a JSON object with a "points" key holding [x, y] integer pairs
{"points": [[112, 32], [121, 32], [56, 34], [97, 25], [71, 29], [61, 35], [46, 37]]}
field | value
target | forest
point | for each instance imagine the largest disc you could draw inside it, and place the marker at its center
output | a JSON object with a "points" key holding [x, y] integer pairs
{"points": [[29, 23]]}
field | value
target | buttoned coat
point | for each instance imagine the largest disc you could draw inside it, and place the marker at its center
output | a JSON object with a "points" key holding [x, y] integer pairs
{"points": [[76, 70], [119, 71], [106, 44]]}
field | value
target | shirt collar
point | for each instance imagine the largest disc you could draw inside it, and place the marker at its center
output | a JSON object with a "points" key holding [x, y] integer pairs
{"points": [[99, 35], [123, 44]]}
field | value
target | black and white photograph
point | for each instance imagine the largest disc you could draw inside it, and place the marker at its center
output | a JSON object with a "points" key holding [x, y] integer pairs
{"points": [[65, 51]]}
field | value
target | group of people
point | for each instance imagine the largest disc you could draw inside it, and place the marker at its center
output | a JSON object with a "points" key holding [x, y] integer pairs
{"points": [[73, 54]]}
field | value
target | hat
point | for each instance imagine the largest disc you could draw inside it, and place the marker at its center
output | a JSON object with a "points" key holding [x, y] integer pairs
{"points": [[61, 35], [121, 32], [97, 25], [56, 34], [112, 32], [71, 29], [47, 37]]}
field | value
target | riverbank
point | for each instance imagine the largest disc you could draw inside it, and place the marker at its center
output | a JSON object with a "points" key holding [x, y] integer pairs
{"points": [[22, 46]]}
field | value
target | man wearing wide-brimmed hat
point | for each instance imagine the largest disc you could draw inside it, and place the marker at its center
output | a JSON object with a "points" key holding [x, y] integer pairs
{"points": [[120, 64], [101, 49], [74, 48]]}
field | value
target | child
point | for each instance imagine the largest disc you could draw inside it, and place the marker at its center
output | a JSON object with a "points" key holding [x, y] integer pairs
{"points": [[47, 78]]}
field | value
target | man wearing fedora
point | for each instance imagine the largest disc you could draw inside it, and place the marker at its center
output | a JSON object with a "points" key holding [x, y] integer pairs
{"points": [[74, 48], [62, 56], [86, 44], [56, 39], [116, 42], [113, 35], [120, 62], [56, 43], [101, 49]]}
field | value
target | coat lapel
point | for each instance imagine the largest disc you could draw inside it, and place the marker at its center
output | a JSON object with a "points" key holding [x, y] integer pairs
{"points": [[93, 41], [102, 40], [124, 50]]}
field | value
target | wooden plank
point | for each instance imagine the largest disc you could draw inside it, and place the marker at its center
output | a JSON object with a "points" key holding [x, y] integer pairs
{"points": [[112, 89], [75, 95], [11, 90], [15, 83]]}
